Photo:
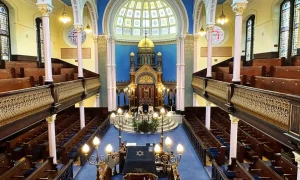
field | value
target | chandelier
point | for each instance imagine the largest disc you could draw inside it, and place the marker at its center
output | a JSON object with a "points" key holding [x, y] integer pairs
{"points": [[64, 17], [222, 18]]}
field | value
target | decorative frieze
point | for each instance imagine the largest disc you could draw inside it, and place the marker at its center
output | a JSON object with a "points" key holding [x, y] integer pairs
{"points": [[217, 89]]}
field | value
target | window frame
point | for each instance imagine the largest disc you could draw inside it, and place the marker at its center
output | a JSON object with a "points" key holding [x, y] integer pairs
{"points": [[38, 22], [252, 17], [8, 28], [291, 29]]}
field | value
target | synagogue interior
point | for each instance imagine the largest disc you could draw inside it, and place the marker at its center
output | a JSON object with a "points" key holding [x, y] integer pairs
{"points": [[149, 90]]}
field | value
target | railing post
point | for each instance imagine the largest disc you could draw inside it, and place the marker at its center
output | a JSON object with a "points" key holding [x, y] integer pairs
{"points": [[230, 90]]}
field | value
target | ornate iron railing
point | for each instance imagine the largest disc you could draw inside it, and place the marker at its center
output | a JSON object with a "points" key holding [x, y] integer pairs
{"points": [[66, 173], [217, 173], [15, 105], [196, 142], [276, 109]]}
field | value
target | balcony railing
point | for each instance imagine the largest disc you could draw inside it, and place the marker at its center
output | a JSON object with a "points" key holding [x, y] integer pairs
{"points": [[16, 105], [276, 109]]}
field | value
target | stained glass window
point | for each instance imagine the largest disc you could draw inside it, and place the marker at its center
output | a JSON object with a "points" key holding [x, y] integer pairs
{"points": [[72, 37], [39, 40], [284, 29], [249, 37], [217, 35], [138, 16], [295, 28], [4, 33]]}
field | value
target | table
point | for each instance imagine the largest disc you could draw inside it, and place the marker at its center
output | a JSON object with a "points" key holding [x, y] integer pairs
{"points": [[139, 160]]}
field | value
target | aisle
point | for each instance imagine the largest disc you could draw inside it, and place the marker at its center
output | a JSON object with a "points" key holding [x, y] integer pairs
{"points": [[190, 168]]}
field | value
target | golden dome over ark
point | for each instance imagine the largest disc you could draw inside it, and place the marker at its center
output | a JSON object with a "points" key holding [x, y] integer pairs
{"points": [[131, 54], [146, 43]]}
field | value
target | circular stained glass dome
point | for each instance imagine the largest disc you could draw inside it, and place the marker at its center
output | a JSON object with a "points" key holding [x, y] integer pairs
{"points": [[140, 17], [218, 35]]}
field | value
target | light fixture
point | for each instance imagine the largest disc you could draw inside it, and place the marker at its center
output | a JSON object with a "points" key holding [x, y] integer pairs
{"points": [[88, 28], [202, 32], [222, 18], [96, 141], [64, 17], [168, 142], [162, 111]]}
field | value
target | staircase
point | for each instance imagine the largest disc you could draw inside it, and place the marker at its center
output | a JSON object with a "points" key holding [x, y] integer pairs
{"points": [[168, 125]]}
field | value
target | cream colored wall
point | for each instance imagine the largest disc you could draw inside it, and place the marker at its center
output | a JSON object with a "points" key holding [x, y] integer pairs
{"points": [[202, 102], [229, 36], [89, 102], [266, 24], [23, 31]]}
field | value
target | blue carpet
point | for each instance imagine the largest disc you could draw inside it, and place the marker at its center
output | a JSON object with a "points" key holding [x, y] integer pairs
{"points": [[190, 168]]}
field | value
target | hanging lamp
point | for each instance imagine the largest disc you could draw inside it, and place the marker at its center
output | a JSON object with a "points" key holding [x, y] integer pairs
{"points": [[222, 18], [88, 29], [64, 17], [202, 32]]}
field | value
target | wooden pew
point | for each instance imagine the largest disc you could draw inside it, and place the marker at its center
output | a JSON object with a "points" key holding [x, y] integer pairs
{"points": [[271, 145], [68, 71], [15, 146], [289, 72], [253, 71], [23, 168], [36, 147], [71, 148], [56, 79], [295, 61], [8, 73], [224, 138], [48, 170], [259, 170], [5, 163], [16, 84], [214, 147], [56, 67], [35, 72], [18, 64], [237, 171], [66, 172], [287, 86], [228, 78], [217, 173], [284, 167], [268, 63]]}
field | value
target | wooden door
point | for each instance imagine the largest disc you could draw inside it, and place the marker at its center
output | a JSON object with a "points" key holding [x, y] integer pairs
{"points": [[146, 94]]}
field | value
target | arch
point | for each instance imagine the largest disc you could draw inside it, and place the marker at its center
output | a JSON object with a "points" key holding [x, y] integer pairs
{"points": [[210, 6], [198, 8], [143, 74], [78, 8], [113, 6]]}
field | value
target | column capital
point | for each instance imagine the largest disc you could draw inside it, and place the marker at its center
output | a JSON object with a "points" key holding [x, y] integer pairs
{"points": [[78, 27], [95, 38], [196, 36], [179, 37], [207, 103], [210, 27], [233, 119], [44, 8], [51, 119], [297, 158], [81, 103], [239, 7]]}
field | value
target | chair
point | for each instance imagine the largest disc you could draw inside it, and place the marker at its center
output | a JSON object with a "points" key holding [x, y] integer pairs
{"points": [[140, 176]]}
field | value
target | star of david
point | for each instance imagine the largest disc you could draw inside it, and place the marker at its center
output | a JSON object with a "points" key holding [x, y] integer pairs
{"points": [[140, 153]]}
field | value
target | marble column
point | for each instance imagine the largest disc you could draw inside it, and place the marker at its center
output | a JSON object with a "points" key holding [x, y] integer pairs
{"points": [[238, 7], [109, 74], [180, 74], [207, 115], [82, 114], [51, 137], [46, 8], [233, 137], [79, 29], [97, 104], [95, 38], [297, 159], [195, 102], [209, 29], [114, 76]]}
